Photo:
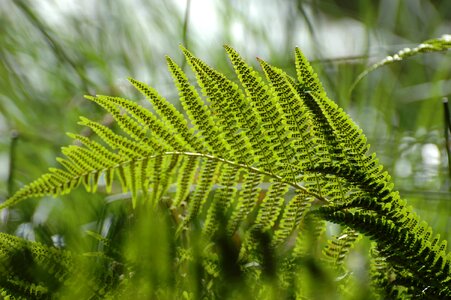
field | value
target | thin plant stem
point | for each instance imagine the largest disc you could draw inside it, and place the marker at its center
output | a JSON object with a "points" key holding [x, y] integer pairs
{"points": [[447, 130], [185, 29], [12, 158]]}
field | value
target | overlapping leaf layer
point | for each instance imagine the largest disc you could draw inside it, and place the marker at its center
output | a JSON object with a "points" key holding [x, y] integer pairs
{"points": [[254, 158]]}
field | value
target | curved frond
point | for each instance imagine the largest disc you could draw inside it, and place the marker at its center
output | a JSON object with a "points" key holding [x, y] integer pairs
{"points": [[262, 162]]}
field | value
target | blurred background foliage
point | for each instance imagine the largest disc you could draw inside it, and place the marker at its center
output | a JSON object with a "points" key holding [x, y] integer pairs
{"points": [[53, 52]]}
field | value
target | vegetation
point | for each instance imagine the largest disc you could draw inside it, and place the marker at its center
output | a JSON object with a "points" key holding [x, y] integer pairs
{"points": [[164, 235], [247, 182]]}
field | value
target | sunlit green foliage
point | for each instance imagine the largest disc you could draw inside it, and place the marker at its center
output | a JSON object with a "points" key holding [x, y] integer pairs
{"points": [[53, 52], [230, 201]]}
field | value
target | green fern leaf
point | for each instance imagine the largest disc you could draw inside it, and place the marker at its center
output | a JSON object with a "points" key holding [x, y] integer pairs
{"points": [[271, 207], [173, 120], [228, 105], [222, 199], [198, 112], [201, 192], [248, 199], [339, 246], [262, 163], [267, 113], [292, 216]]}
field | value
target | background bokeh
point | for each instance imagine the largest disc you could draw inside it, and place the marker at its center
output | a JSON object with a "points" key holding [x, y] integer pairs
{"points": [[53, 52]]}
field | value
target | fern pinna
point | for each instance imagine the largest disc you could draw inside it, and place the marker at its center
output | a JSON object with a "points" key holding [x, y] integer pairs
{"points": [[264, 163]]}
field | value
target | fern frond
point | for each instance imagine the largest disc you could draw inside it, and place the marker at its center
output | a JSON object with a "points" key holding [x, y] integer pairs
{"points": [[198, 112], [186, 179], [228, 105], [339, 246], [271, 207], [150, 123], [292, 216], [222, 199], [404, 250], [348, 135], [207, 178], [248, 199], [267, 113], [261, 163], [308, 79], [173, 120]]}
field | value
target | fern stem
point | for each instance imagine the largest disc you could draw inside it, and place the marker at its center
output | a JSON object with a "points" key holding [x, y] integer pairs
{"points": [[185, 29], [12, 161], [253, 169]]}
